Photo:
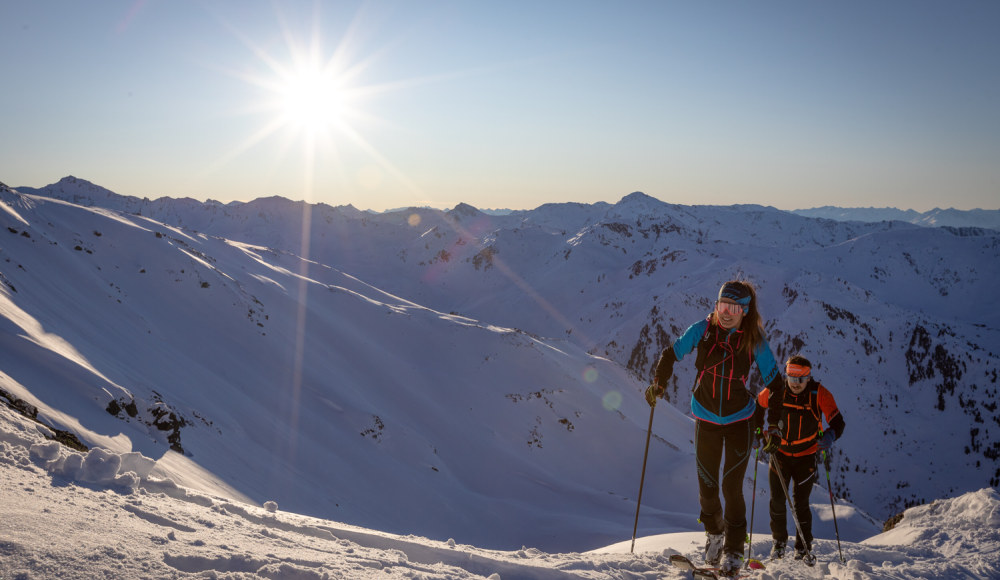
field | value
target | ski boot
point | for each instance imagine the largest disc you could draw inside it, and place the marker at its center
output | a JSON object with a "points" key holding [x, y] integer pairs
{"points": [[778, 550], [731, 564], [713, 548], [805, 556]]}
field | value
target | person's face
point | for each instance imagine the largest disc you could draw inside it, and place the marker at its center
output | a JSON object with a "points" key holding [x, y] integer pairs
{"points": [[797, 384], [729, 313]]}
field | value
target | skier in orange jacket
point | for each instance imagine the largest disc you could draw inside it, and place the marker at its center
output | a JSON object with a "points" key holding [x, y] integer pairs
{"points": [[794, 447]]}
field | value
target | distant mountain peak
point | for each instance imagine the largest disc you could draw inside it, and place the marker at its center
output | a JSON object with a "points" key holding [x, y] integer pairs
{"points": [[637, 196], [464, 209], [937, 217], [72, 180]]}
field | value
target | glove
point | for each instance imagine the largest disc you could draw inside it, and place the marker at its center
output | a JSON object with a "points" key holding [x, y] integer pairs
{"points": [[756, 441], [772, 440], [652, 393], [826, 441]]}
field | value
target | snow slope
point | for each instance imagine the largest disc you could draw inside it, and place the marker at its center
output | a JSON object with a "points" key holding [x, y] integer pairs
{"points": [[254, 374], [890, 313], [100, 518]]}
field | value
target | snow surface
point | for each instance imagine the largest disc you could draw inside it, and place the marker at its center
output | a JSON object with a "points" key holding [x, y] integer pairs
{"points": [[95, 523], [890, 312], [348, 403], [400, 371]]}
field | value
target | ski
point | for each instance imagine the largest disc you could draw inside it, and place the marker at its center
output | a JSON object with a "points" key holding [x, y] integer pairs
{"points": [[700, 573]]}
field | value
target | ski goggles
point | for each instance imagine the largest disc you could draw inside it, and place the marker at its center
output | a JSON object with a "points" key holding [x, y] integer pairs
{"points": [[727, 308]]}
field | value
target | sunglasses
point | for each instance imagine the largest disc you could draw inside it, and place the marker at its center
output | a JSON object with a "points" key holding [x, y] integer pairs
{"points": [[727, 308], [798, 380]]}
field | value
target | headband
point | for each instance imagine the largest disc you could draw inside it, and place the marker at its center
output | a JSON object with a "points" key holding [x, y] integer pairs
{"points": [[738, 293], [797, 370]]}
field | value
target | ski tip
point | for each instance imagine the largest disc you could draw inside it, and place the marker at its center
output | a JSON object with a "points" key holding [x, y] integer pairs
{"points": [[681, 562]]}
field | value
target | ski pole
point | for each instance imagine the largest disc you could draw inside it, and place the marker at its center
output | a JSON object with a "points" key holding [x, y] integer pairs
{"points": [[795, 518], [642, 479], [753, 501], [829, 487]]}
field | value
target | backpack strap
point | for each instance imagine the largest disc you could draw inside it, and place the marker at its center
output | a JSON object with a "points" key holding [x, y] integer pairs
{"points": [[814, 405], [704, 335]]}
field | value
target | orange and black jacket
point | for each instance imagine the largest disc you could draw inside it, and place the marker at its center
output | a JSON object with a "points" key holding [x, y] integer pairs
{"points": [[800, 420]]}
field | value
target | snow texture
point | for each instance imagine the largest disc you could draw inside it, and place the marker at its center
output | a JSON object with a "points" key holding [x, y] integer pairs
{"points": [[54, 527], [473, 376]]}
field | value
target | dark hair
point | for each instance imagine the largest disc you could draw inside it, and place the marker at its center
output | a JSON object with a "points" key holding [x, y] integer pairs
{"points": [[798, 359], [752, 324]]}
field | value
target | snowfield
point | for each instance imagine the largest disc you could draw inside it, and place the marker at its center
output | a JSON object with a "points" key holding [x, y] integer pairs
{"points": [[169, 367], [98, 520]]}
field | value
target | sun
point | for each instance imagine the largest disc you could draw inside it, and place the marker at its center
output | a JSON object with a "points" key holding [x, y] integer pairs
{"points": [[312, 99], [314, 94]]}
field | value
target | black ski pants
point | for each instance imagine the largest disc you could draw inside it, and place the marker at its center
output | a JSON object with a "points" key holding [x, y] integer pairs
{"points": [[711, 442], [800, 474]]}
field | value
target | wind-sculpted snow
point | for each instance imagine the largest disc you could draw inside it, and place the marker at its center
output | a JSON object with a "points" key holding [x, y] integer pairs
{"points": [[23, 444]]}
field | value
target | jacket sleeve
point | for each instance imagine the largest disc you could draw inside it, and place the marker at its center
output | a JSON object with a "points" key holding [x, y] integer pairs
{"points": [[690, 339], [665, 366], [676, 351], [829, 407], [772, 379]]}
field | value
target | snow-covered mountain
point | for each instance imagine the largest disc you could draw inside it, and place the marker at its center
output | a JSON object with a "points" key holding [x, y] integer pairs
{"points": [[937, 217], [891, 314], [310, 387]]}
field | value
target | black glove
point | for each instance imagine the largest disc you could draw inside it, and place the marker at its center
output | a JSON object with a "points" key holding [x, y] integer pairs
{"points": [[653, 392], [772, 440]]}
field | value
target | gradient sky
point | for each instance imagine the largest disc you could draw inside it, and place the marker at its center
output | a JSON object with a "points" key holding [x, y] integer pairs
{"points": [[511, 104]]}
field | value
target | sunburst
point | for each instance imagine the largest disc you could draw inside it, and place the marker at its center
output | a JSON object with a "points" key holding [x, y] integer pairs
{"points": [[314, 98]]}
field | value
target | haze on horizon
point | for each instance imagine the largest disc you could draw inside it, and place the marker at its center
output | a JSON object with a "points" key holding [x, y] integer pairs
{"points": [[513, 105]]}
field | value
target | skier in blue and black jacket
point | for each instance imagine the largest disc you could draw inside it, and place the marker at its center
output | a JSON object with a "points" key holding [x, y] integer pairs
{"points": [[728, 343]]}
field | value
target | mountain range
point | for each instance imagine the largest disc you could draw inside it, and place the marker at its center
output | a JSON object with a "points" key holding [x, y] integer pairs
{"points": [[955, 218], [489, 366]]}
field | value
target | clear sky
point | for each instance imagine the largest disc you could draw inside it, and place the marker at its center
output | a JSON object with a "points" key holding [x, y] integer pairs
{"points": [[507, 104]]}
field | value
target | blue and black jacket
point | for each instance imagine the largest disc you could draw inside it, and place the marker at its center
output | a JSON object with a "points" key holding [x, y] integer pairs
{"points": [[720, 394]]}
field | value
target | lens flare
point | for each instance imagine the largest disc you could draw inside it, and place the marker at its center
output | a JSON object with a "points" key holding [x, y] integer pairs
{"points": [[413, 220], [590, 374], [612, 400]]}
